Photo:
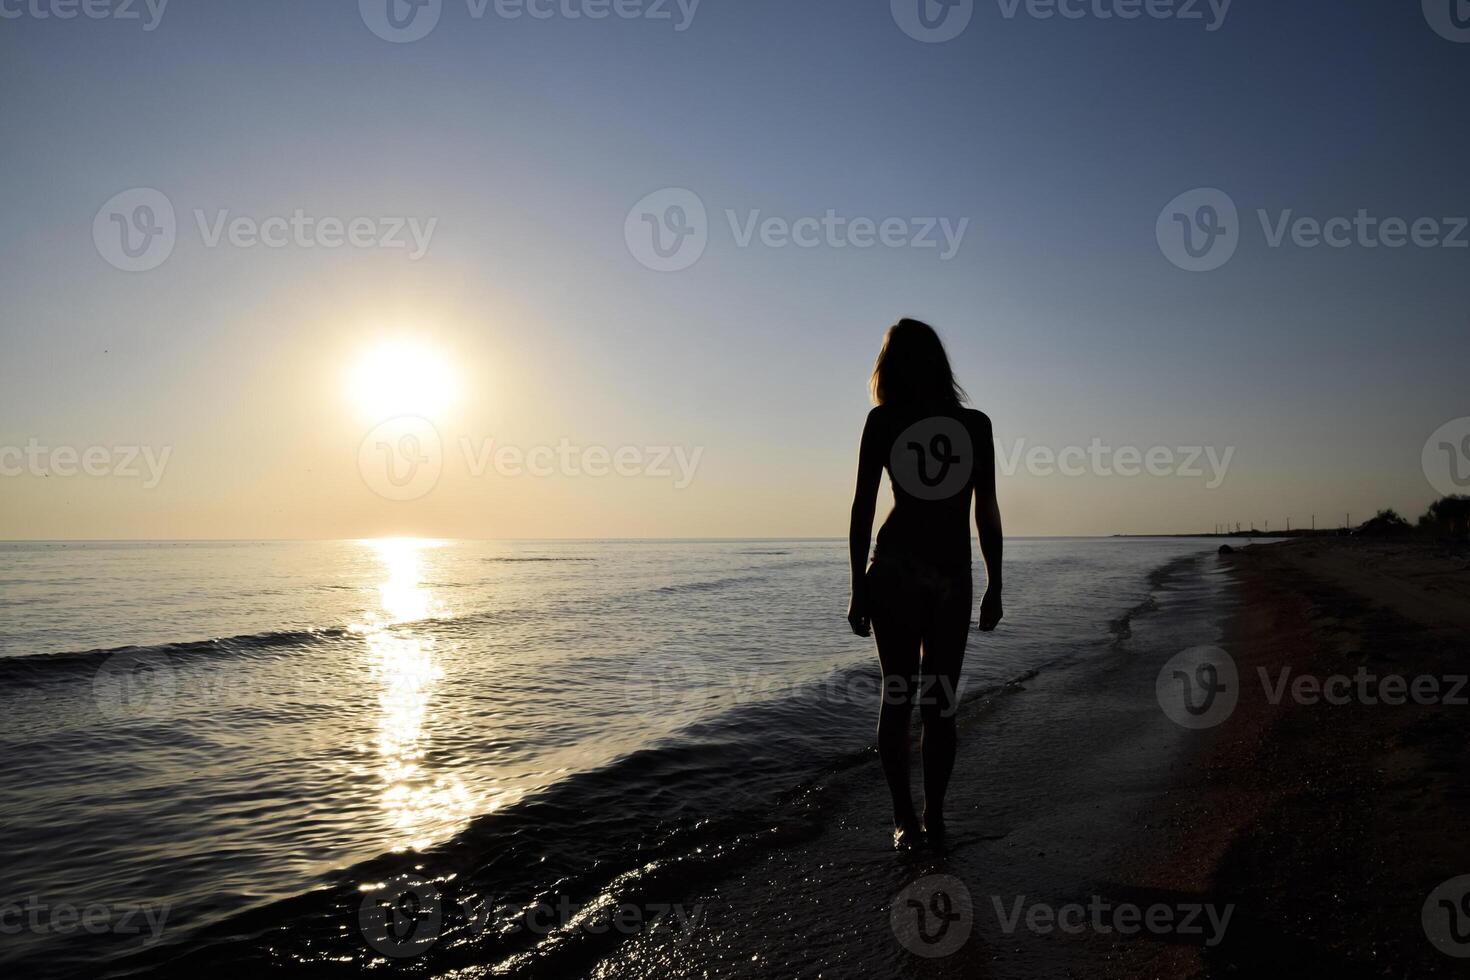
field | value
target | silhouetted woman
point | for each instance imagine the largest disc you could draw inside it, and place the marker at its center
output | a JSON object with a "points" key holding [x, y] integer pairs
{"points": [[916, 595]]}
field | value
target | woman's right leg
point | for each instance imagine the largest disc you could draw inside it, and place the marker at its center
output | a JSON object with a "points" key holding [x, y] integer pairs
{"points": [[898, 633]]}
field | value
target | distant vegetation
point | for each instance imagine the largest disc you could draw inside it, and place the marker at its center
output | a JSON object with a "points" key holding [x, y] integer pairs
{"points": [[1448, 517]]}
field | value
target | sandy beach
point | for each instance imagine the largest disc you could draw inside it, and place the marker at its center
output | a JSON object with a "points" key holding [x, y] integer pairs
{"points": [[1329, 825]]}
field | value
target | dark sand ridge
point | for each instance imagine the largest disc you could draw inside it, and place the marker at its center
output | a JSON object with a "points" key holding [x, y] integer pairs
{"points": [[1324, 826]]}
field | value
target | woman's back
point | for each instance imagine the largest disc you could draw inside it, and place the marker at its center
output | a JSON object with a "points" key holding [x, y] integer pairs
{"points": [[934, 456]]}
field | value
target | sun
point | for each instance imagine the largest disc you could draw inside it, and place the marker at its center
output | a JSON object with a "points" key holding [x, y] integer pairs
{"points": [[402, 377]]}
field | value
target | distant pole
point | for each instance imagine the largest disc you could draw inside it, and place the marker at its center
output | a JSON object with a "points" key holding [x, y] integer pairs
{"points": [[1288, 525], [1314, 522]]}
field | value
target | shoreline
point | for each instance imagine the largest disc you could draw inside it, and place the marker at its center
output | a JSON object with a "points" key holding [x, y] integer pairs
{"points": [[1310, 834]]}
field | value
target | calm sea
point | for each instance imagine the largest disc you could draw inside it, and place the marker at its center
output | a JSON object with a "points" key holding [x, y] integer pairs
{"points": [[224, 743]]}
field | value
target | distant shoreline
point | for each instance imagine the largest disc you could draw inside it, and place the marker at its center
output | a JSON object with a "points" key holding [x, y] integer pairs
{"points": [[1249, 535]]}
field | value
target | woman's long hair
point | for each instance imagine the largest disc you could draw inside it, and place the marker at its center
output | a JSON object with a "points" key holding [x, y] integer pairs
{"points": [[913, 369]]}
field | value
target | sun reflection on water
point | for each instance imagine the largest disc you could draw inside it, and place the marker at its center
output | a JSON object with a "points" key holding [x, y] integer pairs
{"points": [[422, 807]]}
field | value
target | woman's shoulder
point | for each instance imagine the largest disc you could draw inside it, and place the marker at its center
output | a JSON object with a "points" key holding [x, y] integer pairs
{"points": [[978, 419]]}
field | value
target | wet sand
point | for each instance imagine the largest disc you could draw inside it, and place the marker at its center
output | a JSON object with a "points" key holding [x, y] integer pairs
{"points": [[1291, 839]]}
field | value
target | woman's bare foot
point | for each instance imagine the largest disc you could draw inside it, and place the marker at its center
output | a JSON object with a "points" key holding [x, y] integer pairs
{"points": [[934, 830], [907, 833]]}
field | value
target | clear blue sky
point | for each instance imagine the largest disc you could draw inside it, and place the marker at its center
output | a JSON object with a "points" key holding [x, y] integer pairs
{"points": [[529, 141]]}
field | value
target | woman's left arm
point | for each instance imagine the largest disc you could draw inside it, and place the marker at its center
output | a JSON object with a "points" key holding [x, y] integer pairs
{"points": [[987, 522]]}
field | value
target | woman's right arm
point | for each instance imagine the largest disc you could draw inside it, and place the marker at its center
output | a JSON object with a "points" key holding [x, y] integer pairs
{"points": [[860, 530]]}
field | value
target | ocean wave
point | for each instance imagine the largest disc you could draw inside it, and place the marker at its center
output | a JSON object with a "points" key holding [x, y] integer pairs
{"points": [[43, 668], [708, 585], [498, 561]]}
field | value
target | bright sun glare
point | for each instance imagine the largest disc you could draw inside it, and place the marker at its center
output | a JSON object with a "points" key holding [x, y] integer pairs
{"points": [[402, 377]]}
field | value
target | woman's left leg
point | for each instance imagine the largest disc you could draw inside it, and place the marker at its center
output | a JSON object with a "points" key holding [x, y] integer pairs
{"points": [[946, 633]]}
